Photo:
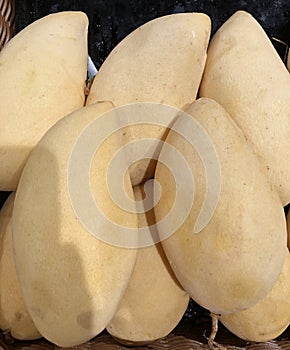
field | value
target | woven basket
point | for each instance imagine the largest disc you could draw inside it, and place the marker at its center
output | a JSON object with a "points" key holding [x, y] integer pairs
{"points": [[6, 21], [189, 334]]}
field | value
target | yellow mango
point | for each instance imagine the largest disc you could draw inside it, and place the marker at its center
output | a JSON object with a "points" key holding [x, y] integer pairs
{"points": [[71, 278], [42, 72], [268, 318], [14, 316], [162, 62], [154, 301], [245, 74], [237, 256]]}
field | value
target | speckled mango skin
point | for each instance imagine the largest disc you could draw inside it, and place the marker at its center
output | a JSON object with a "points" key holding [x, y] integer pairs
{"points": [[161, 62], [245, 74], [42, 71], [237, 258], [14, 316], [71, 281]]}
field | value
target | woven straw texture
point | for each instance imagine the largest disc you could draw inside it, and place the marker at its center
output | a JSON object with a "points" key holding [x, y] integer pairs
{"points": [[6, 21], [189, 335]]}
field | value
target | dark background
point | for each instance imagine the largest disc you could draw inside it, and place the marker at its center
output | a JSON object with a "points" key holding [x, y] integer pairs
{"points": [[112, 20]]}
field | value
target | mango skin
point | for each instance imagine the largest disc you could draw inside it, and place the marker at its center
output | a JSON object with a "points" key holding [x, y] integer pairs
{"points": [[161, 62], [72, 282], [237, 258], [245, 75], [268, 318], [42, 72], [14, 316], [154, 301], [288, 228]]}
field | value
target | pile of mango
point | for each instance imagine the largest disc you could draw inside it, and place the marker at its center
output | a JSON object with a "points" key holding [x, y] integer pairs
{"points": [[191, 178]]}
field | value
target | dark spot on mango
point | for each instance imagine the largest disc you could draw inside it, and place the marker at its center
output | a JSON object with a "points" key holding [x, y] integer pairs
{"points": [[85, 319]]}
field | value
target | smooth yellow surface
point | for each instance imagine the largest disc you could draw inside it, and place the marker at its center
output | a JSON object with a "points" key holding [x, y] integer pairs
{"points": [[245, 74], [161, 62], [72, 282], [267, 319], [42, 73], [288, 228], [154, 302], [14, 316], [237, 258]]}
